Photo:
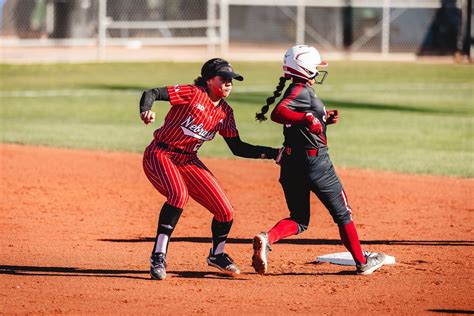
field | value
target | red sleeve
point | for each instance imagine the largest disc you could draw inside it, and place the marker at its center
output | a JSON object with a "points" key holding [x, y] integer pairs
{"points": [[180, 94], [283, 115], [228, 127]]}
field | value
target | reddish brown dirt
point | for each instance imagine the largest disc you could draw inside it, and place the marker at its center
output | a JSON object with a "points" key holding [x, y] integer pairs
{"points": [[76, 230]]}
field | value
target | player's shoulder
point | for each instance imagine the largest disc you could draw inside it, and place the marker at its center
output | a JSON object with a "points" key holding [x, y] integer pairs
{"points": [[297, 88], [299, 91], [183, 88]]}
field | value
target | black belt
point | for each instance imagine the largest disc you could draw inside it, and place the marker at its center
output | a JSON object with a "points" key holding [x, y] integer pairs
{"points": [[310, 152], [173, 149]]}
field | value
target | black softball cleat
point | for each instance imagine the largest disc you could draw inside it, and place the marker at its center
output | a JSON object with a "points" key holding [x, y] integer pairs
{"points": [[158, 266], [224, 263]]}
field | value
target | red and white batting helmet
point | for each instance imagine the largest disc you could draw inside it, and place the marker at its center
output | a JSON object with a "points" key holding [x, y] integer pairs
{"points": [[301, 61]]}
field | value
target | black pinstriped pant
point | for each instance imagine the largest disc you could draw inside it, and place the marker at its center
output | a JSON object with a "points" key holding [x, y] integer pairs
{"points": [[301, 174]]}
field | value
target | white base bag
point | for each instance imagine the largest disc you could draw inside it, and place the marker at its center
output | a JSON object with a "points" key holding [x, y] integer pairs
{"points": [[345, 258]]}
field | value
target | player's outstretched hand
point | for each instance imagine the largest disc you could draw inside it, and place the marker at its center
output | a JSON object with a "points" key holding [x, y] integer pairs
{"points": [[147, 117], [314, 124], [332, 116]]}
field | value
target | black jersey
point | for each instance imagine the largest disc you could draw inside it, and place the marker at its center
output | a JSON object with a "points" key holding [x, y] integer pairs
{"points": [[300, 97]]}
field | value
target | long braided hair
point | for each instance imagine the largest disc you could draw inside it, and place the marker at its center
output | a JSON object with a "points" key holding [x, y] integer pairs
{"points": [[279, 88]]}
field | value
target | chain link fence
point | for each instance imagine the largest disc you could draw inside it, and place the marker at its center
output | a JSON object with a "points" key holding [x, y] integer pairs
{"points": [[385, 26], [42, 19], [355, 26], [80, 19]]}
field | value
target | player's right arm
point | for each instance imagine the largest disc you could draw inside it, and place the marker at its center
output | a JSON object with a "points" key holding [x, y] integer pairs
{"points": [[292, 109], [146, 102]]}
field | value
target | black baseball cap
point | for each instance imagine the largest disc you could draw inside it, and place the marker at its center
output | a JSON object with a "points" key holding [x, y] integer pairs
{"points": [[219, 67]]}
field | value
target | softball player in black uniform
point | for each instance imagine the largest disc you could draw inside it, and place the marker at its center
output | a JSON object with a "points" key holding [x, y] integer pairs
{"points": [[305, 163]]}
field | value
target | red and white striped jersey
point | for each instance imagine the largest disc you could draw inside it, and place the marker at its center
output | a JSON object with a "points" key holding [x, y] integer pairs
{"points": [[194, 119]]}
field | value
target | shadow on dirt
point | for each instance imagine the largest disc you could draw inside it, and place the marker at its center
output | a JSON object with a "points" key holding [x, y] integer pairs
{"points": [[344, 272], [125, 274], [451, 311], [107, 273], [69, 271], [307, 241], [205, 275]]}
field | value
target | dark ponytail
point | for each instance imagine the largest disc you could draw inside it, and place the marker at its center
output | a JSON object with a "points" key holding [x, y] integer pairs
{"points": [[200, 82], [281, 84]]}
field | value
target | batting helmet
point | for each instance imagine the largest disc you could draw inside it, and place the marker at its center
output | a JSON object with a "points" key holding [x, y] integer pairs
{"points": [[302, 61]]}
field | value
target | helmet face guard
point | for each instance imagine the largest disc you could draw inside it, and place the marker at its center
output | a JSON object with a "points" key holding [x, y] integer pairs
{"points": [[320, 77]]}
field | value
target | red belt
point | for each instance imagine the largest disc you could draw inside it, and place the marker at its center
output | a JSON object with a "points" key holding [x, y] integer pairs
{"points": [[310, 152]]}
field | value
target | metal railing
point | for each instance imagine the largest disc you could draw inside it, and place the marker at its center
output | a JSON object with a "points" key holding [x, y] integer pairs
{"points": [[377, 26]]}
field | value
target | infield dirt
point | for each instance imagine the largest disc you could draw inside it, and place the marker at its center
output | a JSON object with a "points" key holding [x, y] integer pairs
{"points": [[77, 228]]}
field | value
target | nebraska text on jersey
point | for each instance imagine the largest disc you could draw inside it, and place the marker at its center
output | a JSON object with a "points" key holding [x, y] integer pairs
{"points": [[194, 119], [196, 131]]}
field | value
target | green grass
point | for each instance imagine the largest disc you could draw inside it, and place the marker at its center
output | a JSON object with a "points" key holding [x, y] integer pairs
{"points": [[405, 117]]}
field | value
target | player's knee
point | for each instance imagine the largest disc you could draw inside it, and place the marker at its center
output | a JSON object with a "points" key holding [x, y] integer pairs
{"points": [[228, 216], [224, 215], [302, 222], [178, 200], [343, 218]]}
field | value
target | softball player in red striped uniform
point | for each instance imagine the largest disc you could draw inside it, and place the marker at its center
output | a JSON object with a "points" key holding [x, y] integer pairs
{"points": [[305, 165], [171, 164]]}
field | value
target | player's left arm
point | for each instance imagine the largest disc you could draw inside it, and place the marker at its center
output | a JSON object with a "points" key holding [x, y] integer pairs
{"points": [[246, 150], [228, 130]]}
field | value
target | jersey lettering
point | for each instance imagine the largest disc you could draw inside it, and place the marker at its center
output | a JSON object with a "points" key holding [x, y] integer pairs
{"points": [[196, 131], [200, 106], [194, 119]]}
